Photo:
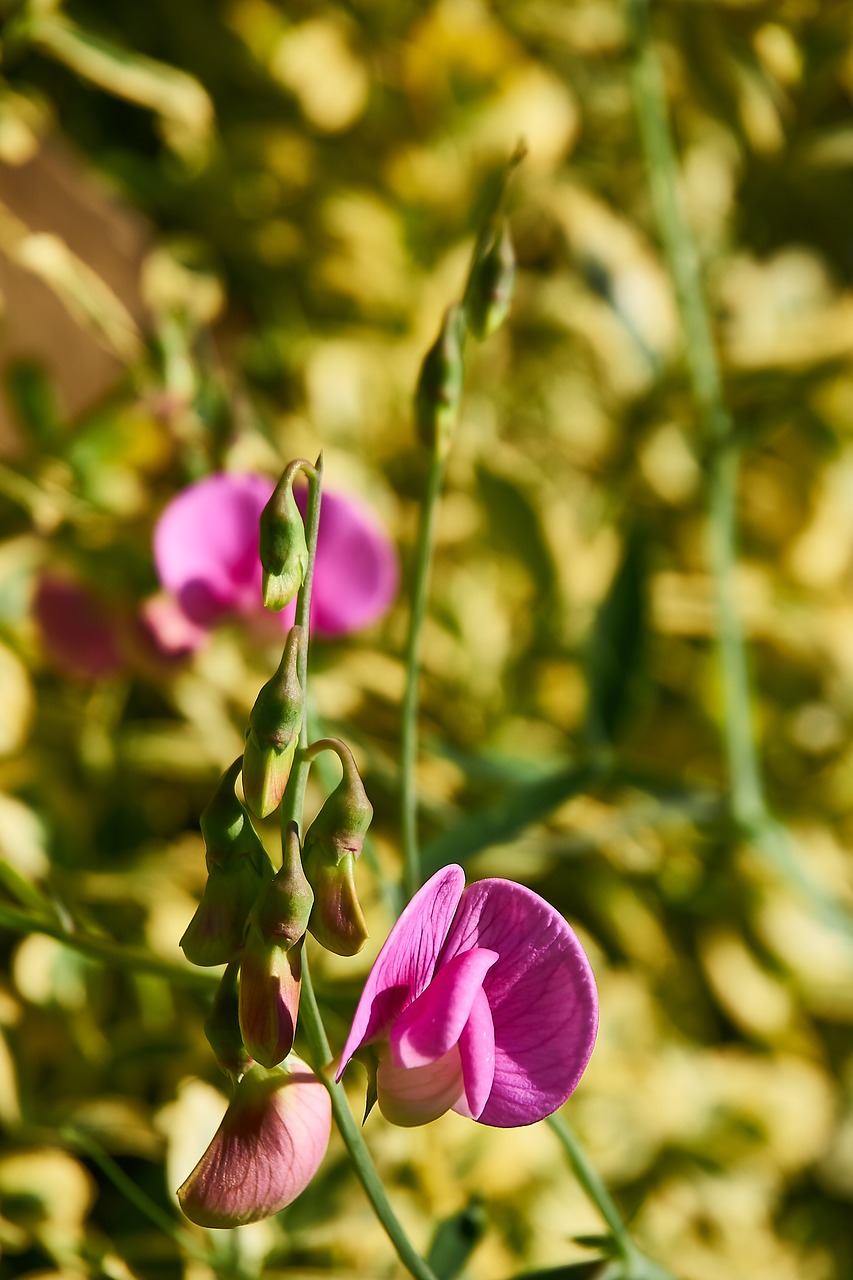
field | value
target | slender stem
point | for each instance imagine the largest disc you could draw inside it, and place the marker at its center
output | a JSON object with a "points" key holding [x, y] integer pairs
{"points": [[315, 1032], [409, 741], [748, 802], [592, 1184], [110, 953]]}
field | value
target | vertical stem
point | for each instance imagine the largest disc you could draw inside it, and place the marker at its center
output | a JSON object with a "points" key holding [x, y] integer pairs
{"points": [[592, 1183], [409, 741]]}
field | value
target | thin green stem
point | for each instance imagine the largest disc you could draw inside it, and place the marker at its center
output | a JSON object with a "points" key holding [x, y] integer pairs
{"points": [[592, 1183], [110, 953], [409, 742], [315, 1032]]}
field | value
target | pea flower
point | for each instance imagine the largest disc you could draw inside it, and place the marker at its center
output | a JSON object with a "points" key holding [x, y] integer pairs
{"points": [[206, 553], [266, 1150], [481, 1000]]}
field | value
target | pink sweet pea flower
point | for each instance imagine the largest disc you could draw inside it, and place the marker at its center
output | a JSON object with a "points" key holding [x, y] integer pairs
{"points": [[481, 1000], [266, 1150], [206, 552]]}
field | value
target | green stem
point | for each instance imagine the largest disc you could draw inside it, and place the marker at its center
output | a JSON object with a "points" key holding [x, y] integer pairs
{"points": [[409, 741], [748, 803], [315, 1032], [110, 953], [592, 1184]]}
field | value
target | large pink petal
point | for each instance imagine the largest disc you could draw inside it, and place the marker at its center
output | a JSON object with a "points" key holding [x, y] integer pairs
{"points": [[477, 1052], [357, 573], [407, 961], [433, 1023], [541, 993], [266, 1150], [206, 545]]}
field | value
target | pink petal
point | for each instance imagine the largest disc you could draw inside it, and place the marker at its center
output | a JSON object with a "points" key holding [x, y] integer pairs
{"points": [[407, 961], [477, 1052], [357, 572], [432, 1024], [80, 635], [206, 546], [541, 993], [167, 630], [266, 1150], [415, 1095]]}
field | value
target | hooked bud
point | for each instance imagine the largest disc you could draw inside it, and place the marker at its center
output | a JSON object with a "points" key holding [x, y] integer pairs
{"points": [[271, 970], [439, 389], [282, 545], [238, 867], [333, 845], [273, 732], [222, 1026], [491, 285]]}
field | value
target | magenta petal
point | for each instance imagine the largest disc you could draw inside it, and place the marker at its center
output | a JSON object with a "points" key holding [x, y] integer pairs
{"points": [[357, 572], [477, 1052], [407, 961], [541, 993], [206, 546], [433, 1023]]}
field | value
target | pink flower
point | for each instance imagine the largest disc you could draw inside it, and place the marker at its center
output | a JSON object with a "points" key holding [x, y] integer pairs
{"points": [[482, 1000], [206, 552], [81, 636], [266, 1150]]}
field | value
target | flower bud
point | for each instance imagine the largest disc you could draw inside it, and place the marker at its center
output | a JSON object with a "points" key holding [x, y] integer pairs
{"points": [[282, 545], [238, 868], [333, 845], [439, 390], [491, 286], [271, 971], [266, 1150], [222, 1026], [273, 733]]}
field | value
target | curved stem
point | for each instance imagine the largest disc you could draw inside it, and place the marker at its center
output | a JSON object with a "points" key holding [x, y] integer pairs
{"points": [[409, 740]]}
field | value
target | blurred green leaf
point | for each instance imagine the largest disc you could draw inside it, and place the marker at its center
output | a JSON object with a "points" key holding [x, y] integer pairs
{"points": [[455, 1240], [515, 526], [615, 648]]}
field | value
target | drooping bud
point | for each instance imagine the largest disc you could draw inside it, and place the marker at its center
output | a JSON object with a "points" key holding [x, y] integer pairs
{"points": [[273, 733], [222, 1026], [492, 283], [282, 545], [266, 1150], [271, 969], [439, 389], [238, 867], [333, 845]]}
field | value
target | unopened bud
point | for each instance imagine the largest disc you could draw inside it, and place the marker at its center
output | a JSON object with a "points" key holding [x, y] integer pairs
{"points": [[439, 390], [273, 733], [491, 286], [333, 845], [238, 868], [282, 545], [222, 1026], [271, 970]]}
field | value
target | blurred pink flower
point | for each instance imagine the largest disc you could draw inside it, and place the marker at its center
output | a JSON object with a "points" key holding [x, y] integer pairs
{"points": [[482, 1000], [266, 1150], [80, 634], [206, 552]]}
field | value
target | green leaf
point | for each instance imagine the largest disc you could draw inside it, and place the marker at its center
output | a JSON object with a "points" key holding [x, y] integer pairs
{"points": [[515, 526], [455, 1239], [616, 644]]}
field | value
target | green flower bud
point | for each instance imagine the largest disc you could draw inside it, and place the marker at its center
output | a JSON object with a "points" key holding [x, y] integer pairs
{"points": [[491, 286], [273, 733], [238, 868], [222, 1026], [333, 845], [271, 970], [282, 545], [439, 390]]}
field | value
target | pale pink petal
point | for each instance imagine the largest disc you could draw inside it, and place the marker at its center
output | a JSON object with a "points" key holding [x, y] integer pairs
{"points": [[477, 1052], [80, 635], [206, 546], [541, 993], [407, 961], [169, 632], [415, 1095], [266, 1150], [432, 1024]]}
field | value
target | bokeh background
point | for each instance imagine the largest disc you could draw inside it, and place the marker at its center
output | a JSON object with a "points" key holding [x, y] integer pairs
{"points": [[228, 230]]}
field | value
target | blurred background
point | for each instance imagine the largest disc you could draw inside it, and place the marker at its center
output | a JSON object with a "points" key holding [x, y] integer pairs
{"points": [[228, 231]]}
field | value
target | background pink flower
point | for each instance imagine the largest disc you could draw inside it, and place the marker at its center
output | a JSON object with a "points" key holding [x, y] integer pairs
{"points": [[206, 552], [483, 1000]]}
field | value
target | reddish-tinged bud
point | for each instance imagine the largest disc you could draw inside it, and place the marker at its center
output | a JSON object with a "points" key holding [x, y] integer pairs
{"points": [[238, 868], [273, 733], [222, 1026], [333, 845], [282, 545], [266, 1150]]}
